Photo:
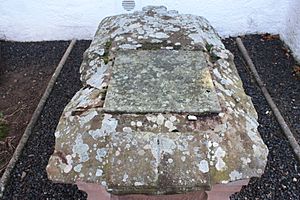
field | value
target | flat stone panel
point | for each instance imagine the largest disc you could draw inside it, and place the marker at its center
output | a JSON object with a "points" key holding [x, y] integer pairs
{"points": [[161, 81], [148, 162], [133, 162]]}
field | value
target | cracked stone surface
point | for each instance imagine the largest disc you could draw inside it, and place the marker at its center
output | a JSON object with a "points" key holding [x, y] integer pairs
{"points": [[144, 122]]}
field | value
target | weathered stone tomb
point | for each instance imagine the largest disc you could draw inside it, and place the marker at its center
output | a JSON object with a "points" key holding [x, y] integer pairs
{"points": [[162, 110]]}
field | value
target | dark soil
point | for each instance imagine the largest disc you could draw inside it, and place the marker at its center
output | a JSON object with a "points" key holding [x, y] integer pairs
{"points": [[281, 179], [25, 69]]}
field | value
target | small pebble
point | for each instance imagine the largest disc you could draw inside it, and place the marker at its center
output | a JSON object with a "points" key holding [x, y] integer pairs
{"points": [[23, 175], [192, 117], [295, 179], [139, 124]]}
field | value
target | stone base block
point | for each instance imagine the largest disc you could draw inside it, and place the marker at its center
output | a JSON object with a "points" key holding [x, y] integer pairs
{"points": [[218, 192]]}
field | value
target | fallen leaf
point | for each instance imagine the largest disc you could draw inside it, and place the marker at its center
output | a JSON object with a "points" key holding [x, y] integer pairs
{"points": [[270, 37]]}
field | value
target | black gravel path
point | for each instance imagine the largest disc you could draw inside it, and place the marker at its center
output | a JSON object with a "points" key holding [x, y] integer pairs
{"points": [[275, 64], [19, 55], [281, 179]]}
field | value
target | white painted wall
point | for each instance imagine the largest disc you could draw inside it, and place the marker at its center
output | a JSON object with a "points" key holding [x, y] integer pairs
{"points": [[291, 29], [35, 20]]}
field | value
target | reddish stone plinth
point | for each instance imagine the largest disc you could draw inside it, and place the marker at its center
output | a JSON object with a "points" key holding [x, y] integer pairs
{"points": [[218, 192]]}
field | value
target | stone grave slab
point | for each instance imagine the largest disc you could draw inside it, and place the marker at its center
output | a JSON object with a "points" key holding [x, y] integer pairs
{"points": [[162, 110], [161, 81]]}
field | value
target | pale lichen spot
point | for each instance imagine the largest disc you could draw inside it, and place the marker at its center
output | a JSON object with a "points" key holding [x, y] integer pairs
{"points": [[220, 165], [69, 166], [81, 149], [109, 125], [151, 118], [77, 168], [224, 182], [138, 183], [99, 172], [245, 160], [209, 144], [258, 151], [221, 114], [134, 142], [235, 175], [183, 158], [203, 166], [127, 129], [220, 152], [139, 124], [141, 152], [169, 125], [125, 177], [172, 118], [100, 52], [101, 153], [159, 35], [57, 134], [132, 123], [160, 119], [190, 137], [215, 144]]}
